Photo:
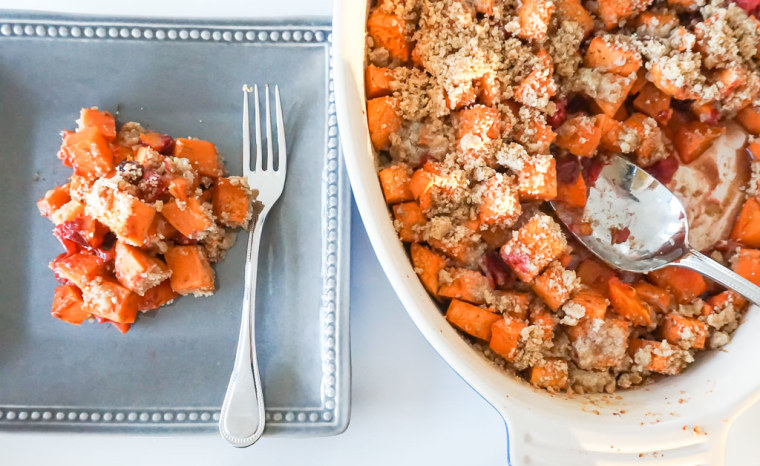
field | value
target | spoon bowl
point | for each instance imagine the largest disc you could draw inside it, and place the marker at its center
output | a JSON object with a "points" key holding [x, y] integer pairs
{"points": [[633, 222]]}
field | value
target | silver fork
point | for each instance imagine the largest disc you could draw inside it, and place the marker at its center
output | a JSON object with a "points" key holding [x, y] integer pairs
{"points": [[241, 422]]}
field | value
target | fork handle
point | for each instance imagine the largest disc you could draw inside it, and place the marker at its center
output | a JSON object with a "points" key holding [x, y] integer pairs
{"points": [[241, 422], [698, 262]]}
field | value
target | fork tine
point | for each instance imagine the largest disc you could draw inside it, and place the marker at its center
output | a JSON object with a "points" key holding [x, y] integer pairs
{"points": [[258, 166], [282, 155], [246, 132], [270, 140]]}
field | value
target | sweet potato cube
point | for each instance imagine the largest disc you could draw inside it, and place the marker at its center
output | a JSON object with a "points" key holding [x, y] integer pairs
{"points": [[653, 352], [580, 135], [593, 302], [68, 305], [470, 319], [179, 188], [599, 345], [395, 181], [156, 297], [659, 79], [612, 12], [653, 102], [488, 90], [80, 269], [68, 212], [191, 271], [628, 304], [466, 285], [550, 374], [409, 219], [555, 285], [161, 143], [480, 121], [383, 120], [88, 152], [533, 16], [685, 332], [189, 218], [721, 300], [53, 200], [749, 118], [610, 107], [747, 226], [534, 246], [572, 194], [201, 154], [147, 156], [483, 6], [543, 319], [536, 135], [505, 337], [500, 202], [461, 99], [516, 303], [611, 131], [99, 119], [138, 270], [686, 285], [109, 300], [377, 81], [594, 274], [537, 181], [693, 138], [231, 201], [607, 54], [657, 297], [746, 262], [389, 31], [573, 10], [427, 264], [536, 88], [127, 216]]}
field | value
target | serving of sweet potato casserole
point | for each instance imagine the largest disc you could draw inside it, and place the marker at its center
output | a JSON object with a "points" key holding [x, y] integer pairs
{"points": [[481, 110], [141, 219]]}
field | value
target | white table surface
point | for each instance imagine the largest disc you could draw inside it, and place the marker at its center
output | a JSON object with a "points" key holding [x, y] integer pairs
{"points": [[408, 406]]}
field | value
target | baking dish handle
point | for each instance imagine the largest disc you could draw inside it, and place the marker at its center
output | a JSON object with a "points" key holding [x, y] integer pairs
{"points": [[538, 442]]}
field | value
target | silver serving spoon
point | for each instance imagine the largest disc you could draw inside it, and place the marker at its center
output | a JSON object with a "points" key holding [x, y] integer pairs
{"points": [[625, 196]]}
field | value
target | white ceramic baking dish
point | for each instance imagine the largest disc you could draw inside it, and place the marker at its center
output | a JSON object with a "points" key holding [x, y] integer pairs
{"points": [[678, 420]]}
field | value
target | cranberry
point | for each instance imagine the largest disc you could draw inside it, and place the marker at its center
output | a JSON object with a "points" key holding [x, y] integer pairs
{"points": [[560, 114], [496, 270], [664, 169], [152, 186], [70, 235], [161, 143], [747, 5], [591, 170], [568, 168], [620, 235], [106, 251], [713, 117], [577, 103], [517, 261], [184, 240]]}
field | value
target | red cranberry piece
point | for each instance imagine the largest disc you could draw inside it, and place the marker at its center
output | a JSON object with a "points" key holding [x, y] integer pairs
{"points": [[568, 168], [620, 235], [184, 240], [161, 143], [592, 169], [664, 169], [70, 236], [152, 186], [560, 114], [496, 270], [747, 5]]}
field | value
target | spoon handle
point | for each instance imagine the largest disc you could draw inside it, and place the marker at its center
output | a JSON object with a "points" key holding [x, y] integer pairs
{"points": [[698, 262]]}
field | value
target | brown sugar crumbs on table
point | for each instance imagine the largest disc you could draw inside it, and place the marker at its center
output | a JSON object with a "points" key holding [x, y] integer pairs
{"points": [[141, 219], [480, 110]]}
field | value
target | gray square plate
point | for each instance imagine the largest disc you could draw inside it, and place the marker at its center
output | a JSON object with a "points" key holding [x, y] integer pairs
{"points": [[171, 370]]}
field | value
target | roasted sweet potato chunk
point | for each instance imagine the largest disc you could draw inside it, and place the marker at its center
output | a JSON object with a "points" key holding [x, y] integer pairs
{"points": [[505, 337], [157, 296], [388, 31], [68, 305], [537, 181], [608, 53], [191, 271], [534, 246], [533, 16], [127, 216], [658, 357], [109, 300], [500, 203], [550, 374], [138, 270], [395, 181], [80, 269], [686, 285], [747, 226], [231, 201], [377, 81], [189, 218], [693, 138], [555, 285], [466, 285], [101, 120], [628, 304], [201, 154], [53, 200], [383, 120], [684, 331], [599, 345], [580, 135], [471, 319], [746, 262], [88, 152], [749, 118], [409, 219], [428, 265]]}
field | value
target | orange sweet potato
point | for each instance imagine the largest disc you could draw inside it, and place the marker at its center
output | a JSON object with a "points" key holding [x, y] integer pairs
{"points": [[470, 319], [746, 263], [613, 12], [659, 79], [101, 120], [127, 216], [80, 269], [655, 103], [543, 319], [462, 99], [594, 274], [682, 330], [554, 285], [231, 202], [572, 194], [686, 285], [599, 344], [488, 90], [409, 218], [383, 120], [747, 226], [658, 363], [607, 54], [466, 285], [427, 264], [156, 297], [536, 135], [53, 200], [201, 154], [593, 301], [137, 270], [610, 107], [189, 218], [505, 337], [628, 304], [693, 138], [538, 85], [537, 181], [580, 135], [749, 118], [573, 10], [377, 81], [68, 305], [550, 374], [161, 143], [479, 120], [500, 202], [657, 20], [534, 246], [88, 152], [395, 182], [389, 32], [611, 130], [191, 271], [108, 300], [483, 6], [723, 299], [657, 297], [464, 251], [533, 16]]}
